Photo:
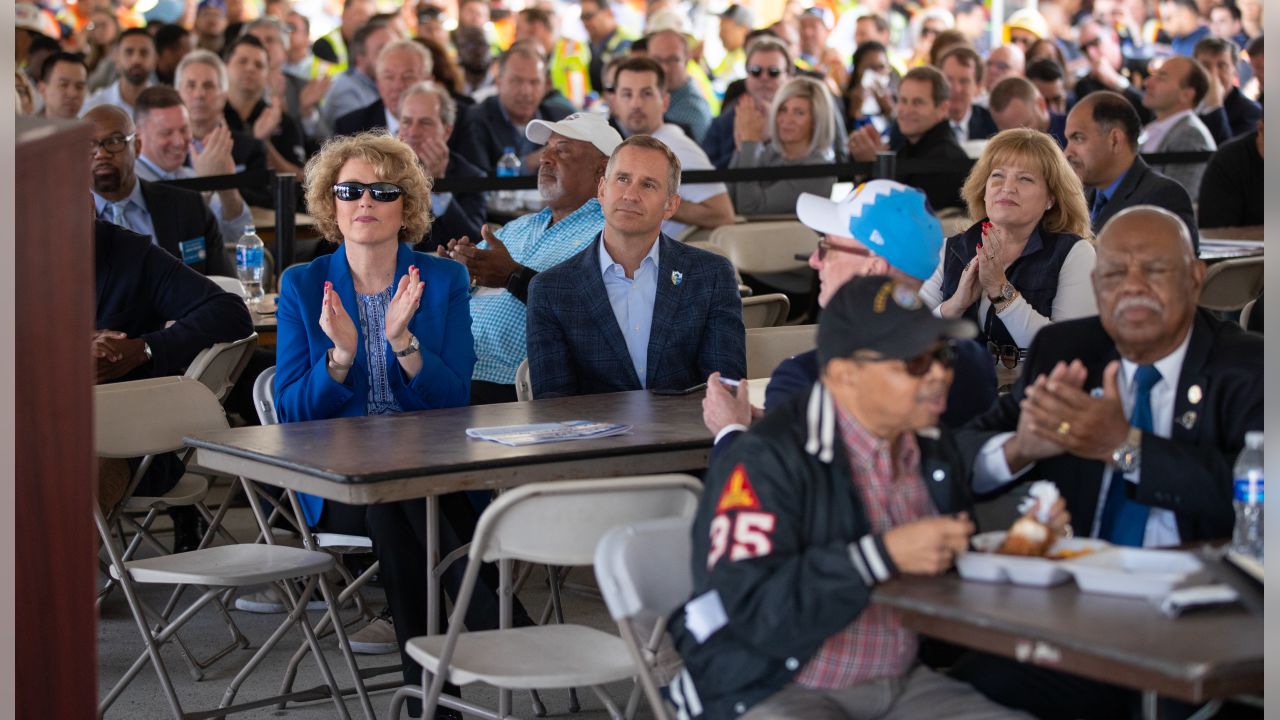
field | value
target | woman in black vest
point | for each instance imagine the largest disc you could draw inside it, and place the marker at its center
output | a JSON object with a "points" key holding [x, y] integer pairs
{"points": [[1027, 261]]}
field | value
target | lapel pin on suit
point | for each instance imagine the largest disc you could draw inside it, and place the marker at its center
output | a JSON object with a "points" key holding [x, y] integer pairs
{"points": [[1188, 419], [677, 277], [1194, 395]]}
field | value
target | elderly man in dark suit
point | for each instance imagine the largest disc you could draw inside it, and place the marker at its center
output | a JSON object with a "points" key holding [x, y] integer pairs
{"points": [[1136, 414], [635, 309], [1102, 148], [176, 220]]}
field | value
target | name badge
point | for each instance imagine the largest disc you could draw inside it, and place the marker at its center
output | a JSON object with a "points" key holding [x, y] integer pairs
{"points": [[193, 250]]}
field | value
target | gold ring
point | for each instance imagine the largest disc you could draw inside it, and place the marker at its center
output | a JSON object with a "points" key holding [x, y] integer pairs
{"points": [[1064, 427]]}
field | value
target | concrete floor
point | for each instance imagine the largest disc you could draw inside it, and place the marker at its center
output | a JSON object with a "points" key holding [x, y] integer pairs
{"points": [[119, 644]]}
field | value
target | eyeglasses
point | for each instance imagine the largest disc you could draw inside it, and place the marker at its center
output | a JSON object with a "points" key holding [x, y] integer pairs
{"points": [[758, 70], [928, 32], [380, 191], [920, 365], [1084, 46], [825, 246], [112, 144], [586, 16], [1008, 355]]}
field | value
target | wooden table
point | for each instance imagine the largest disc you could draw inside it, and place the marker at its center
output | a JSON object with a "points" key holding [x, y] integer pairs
{"points": [[1196, 658], [384, 458]]}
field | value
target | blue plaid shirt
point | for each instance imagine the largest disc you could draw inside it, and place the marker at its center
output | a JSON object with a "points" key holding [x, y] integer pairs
{"points": [[498, 318]]}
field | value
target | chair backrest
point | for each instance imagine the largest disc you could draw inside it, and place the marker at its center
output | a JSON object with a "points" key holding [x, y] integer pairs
{"points": [[1231, 284], [264, 400], [560, 523], [643, 569], [219, 366], [1247, 312], [953, 221], [145, 417], [759, 311], [230, 284], [769, 346], [766, 247], [524, 384]]}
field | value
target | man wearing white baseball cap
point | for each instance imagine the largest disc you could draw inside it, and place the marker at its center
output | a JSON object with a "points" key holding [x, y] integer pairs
{"points": [[881, 228], [572, 162]]}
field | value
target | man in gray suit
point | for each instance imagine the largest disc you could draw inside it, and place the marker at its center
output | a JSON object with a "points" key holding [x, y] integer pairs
{"points": [[1102, 149], [1172, 91]]}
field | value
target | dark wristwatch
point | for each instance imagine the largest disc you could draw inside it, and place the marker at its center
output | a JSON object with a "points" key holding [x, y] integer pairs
{"points": [[518, 282], [1128, 456]]}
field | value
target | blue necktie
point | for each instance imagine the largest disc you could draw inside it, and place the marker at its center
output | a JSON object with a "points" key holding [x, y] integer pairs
{"points": [[1099, 203], [117, 213], [1124, 522]]}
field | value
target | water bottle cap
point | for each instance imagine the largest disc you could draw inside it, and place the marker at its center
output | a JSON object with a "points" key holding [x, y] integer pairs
{"points": [[1253, 439], [250, 230], [508, 151]]}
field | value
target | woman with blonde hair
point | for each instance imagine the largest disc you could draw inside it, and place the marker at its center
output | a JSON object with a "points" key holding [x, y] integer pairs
{"points": [[374, 329], [1026, 261], [799, 130]]}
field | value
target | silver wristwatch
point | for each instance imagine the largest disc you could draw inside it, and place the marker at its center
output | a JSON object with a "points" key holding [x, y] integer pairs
{"points": [[413, 348], [1128, 456]]}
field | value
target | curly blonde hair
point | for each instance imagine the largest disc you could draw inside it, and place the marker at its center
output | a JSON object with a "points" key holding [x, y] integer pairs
{"points": [[394, 161], [1069, 214]]}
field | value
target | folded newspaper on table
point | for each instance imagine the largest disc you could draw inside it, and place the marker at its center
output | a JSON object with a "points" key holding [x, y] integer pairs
{"points": [[517, 435]]}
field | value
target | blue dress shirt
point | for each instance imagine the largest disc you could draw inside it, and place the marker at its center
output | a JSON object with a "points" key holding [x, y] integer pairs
{"points": [[632, 300]]}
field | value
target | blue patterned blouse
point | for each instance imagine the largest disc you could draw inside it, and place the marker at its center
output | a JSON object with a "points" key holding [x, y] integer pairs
{"points": [[373, 326]]}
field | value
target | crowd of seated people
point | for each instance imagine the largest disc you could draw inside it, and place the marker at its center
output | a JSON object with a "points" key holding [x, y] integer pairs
{"points": [[1075, 260]]}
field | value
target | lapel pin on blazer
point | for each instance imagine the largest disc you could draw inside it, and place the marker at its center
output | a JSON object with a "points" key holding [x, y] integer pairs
{"points": [[1194, 394], [1188, 419], [677, 277]]}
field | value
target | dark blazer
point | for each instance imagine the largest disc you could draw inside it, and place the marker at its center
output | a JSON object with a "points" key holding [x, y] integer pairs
{"points": [[140, 288], [180, 216], [1231, 192], [465, 214], [981, 124], [941, 185], [1218, 123], [1143, 186], [1242, 113], [575, 345], [487, 132], [248, 153], [369, 117], [1188, 473]]}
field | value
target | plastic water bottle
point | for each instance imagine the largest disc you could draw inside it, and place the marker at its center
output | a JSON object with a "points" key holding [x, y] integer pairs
{"points": [[1247, 538], [249, 264], [508, 166]]}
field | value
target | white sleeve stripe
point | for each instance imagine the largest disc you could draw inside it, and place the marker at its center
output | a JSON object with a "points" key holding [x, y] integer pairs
{"points": [[872, 555], [860, 565]]}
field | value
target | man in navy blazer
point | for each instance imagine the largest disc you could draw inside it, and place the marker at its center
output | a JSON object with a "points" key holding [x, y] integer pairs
{"points": [[636, 309], [1102, 149]]}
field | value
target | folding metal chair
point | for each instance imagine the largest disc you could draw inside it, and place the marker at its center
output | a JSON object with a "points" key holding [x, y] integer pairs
{"points": [[643, 571], [333, 543], [530, 523], [761, 311], [176, 407], [767, 347]]}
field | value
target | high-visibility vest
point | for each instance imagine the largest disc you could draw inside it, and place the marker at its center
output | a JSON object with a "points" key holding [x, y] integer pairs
{"points": [[321, 67], [610, 50], [699, 78], [569, 60]]}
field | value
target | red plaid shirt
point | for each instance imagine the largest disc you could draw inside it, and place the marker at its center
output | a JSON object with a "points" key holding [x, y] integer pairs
{"points": [[892, 492]]}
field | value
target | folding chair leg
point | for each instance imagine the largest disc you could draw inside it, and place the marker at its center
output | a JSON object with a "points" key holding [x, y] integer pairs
{"points": [[608, 702], [554, 579], [352, 589], [297, 616], [345, 645]]}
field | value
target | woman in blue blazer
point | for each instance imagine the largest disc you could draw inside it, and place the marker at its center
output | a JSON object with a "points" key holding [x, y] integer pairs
{"points": [[376, 328]]}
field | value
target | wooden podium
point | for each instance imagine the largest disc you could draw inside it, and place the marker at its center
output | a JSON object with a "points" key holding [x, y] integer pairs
{"points": [[56, 479]]}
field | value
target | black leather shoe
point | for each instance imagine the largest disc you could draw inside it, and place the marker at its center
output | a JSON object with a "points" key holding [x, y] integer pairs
{"points": [[189, 527]]}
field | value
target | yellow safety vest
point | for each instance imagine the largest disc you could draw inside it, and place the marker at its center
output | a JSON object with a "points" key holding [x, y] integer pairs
{"points": [[569, 62], [321, 67], [699, 78]]}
